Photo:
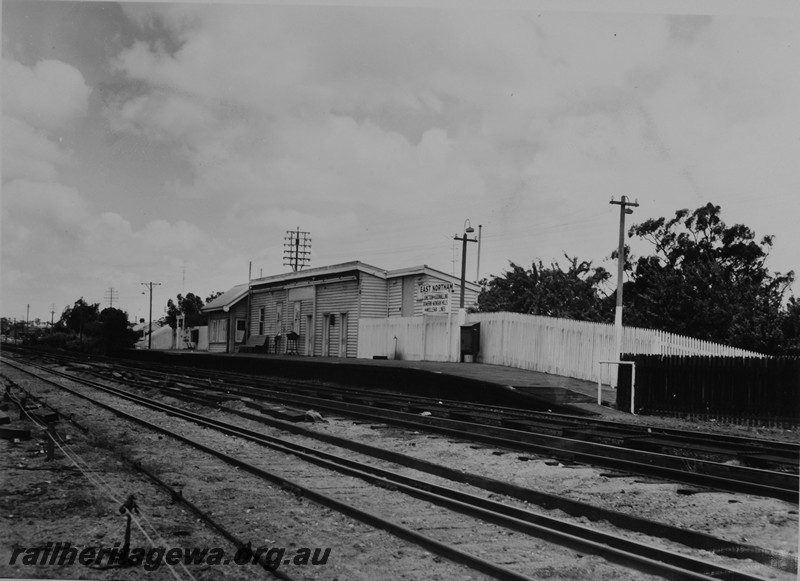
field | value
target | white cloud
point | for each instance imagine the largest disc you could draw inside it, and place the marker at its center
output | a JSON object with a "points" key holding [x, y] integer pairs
{"points": [[49, 96], [39, 104], [513, 114], [52, 205], [29, 154], [170, 238], [380, 130], [161, 116]]}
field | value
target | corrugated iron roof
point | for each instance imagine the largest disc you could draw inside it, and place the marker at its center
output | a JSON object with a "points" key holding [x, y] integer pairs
{"points": [[227, 299]]}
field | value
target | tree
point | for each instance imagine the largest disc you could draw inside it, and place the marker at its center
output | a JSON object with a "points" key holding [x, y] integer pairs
{"points": [[116, 333], [81, 318], [551, 291], [189, 307], [706, 280], [212, 296], [790, 327]]}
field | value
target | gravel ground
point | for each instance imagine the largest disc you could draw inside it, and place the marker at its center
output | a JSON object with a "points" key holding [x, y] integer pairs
{"points": [[263, 513], [53, 501], [764, 522], [711, 426]]}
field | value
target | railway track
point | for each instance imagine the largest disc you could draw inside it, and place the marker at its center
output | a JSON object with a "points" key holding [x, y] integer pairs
{"points": [[758, 453], [611, 547], [669, 459], [780, 456], [709, 460]]}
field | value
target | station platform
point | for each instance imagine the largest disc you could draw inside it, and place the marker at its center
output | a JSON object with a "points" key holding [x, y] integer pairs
{"points": [[490, 383], [554, 388]]}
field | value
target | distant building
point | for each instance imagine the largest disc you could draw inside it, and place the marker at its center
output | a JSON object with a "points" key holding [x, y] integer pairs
{"points": [[315, 312], [166, 338], [227, 319]]}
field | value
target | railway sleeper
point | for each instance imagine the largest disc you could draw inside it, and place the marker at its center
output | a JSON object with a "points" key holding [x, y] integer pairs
{"points": [[9, 433], [286, 414], [766, 460], [655, 444], [531, 426]]}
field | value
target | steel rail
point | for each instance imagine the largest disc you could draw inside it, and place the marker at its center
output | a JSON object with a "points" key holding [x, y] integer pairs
{"points": [[700, 472], [733, 442], [611, 547], [736, 444], [174, 494], [677, 468], [689, 538], [405, 533]]}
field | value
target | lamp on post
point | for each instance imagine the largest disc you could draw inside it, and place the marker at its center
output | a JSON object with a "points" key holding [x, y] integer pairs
{"points": [[623, 210], [468, 229]]}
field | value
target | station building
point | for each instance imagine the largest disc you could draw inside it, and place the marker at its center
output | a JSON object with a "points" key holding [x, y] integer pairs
{"points": [[316, 312]]}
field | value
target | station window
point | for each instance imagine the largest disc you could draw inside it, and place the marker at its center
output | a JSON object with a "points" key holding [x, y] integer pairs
{"points": [[218, 332]]}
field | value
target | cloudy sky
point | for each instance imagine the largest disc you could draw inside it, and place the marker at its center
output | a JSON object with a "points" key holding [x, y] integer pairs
{"points": [[178, 142]]}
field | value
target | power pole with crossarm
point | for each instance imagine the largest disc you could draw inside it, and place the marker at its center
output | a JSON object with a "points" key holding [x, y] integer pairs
{"points": [[623, 209], [150, 285]]}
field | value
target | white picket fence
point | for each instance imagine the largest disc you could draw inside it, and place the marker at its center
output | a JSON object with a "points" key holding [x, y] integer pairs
{"points": [[409, 338], [551, 345]]}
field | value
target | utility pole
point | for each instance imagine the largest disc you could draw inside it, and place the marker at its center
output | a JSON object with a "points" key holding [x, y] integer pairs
{"points": [[296, 253], [478, 266], [27, 317], [52, 314], [468, 229], [150, 285], [249, 301], [111, 294], [623, 209]]}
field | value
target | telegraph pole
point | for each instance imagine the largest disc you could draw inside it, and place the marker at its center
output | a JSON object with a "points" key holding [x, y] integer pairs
{"points": [[52, 314], [150, 285], [623, 209], [478, 266], [468, 229], [297, 249], [111, 294]]}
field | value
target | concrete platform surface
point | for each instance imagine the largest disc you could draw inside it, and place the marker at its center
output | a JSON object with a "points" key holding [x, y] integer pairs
{"points": [[560, 390]]}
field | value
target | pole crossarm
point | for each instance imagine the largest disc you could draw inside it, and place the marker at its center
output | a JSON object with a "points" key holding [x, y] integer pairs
{"points": [[297, 251]]}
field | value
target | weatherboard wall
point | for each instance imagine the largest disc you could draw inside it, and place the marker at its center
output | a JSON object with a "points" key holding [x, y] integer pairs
{"points": [[226, 341], [404, 299], [337, 301], [372, 296]]}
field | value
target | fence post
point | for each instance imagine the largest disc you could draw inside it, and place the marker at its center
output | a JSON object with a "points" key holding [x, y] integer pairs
{"points": [[599, 386]]}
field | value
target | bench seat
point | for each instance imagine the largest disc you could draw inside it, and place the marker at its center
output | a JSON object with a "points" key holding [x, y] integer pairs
{"points": [[255, 344]]}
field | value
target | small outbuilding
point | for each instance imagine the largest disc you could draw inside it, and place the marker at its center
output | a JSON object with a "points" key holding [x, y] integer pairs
{"points": [[227, 320]]}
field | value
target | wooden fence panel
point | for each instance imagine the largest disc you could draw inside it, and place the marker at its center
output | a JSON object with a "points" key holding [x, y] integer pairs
{"points": [[709, 386], [547, 344]]}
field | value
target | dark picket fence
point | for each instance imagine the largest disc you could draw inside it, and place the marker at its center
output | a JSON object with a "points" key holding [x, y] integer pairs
{"points": [[727, 388]]}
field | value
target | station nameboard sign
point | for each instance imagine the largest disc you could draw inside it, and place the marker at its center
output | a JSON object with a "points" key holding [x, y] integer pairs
{"points": [[435, 297]]}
